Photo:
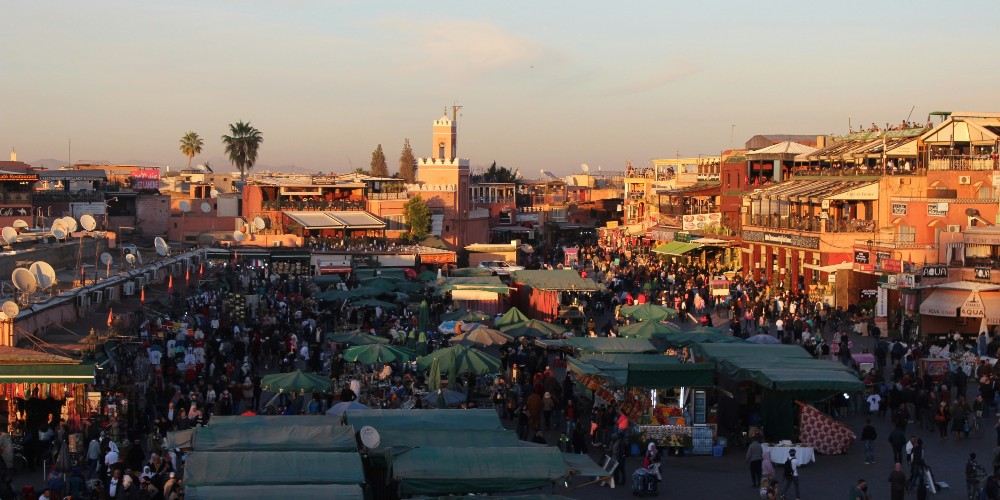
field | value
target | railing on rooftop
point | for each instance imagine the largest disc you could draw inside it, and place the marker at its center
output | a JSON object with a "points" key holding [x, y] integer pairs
{"points": [[59, 195], [388, 196], [811, 223], [852, 171], [305, 205], [962, 162], [694, 210]]}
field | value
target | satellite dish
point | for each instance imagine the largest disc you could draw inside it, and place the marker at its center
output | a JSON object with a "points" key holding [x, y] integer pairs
{"points": [[88, 222], [9, 235], [70, 223], [24, 280], [106, 258], [214, 193], [130, 259], [369, 436], [205, 207], [185, 206], [44, 274], [161, 246], [59, 232], [20, 224], [239, 236], [10, 309], [585, 168], [258, 223]]}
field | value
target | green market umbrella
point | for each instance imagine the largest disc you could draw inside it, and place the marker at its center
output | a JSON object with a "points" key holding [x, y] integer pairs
{"points": [[367, 292], [355, 338], [513, 316], [482, 336], [422, 344], [648, 312], [460, 359], [434, 379], [392, 285], [379, 353], [411, 340], [427, 276], [648, 330], [293, 382], [706, 329], [534, 328], [374, 303], [465, 316], [424, 316]]}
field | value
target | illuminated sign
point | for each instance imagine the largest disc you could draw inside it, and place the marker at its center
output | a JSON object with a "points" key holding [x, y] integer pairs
{"points": [[18, 177], [146, 179]]}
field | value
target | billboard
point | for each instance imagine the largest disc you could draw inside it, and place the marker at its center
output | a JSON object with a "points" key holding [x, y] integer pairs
{"points": [[699, 221], [146, 179]]}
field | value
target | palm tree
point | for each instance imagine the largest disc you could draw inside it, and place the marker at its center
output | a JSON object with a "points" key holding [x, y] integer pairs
{"points": [[242, 146], [191, 146]]}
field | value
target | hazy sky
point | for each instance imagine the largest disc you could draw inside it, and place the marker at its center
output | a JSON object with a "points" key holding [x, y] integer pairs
{"points": [[544, 84]]}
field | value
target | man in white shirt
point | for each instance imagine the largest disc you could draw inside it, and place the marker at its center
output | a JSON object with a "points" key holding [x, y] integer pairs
{"points": [[874, 400]]}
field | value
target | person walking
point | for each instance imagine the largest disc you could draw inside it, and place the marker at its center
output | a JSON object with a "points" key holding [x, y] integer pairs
{"points": [[860, 491], [868, 436], [973, 474], [897, 482], [917, 462], [791, 475], [897, 439], [755, 459]]}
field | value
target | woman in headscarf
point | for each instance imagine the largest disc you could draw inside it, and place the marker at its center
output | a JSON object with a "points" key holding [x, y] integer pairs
{"points": [[766, 465], [146, 473]]}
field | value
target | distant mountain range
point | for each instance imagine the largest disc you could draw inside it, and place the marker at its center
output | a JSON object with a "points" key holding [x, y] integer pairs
{"points": [[218, 164]]}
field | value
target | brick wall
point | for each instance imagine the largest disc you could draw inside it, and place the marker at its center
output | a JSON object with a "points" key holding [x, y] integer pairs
{"points": [[152, 214]]}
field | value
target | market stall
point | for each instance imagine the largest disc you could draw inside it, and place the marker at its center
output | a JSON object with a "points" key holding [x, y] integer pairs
{"points": [[35, 385]]}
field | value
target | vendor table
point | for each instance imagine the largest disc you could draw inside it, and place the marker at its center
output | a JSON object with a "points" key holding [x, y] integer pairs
{"points": [[779, 454]]}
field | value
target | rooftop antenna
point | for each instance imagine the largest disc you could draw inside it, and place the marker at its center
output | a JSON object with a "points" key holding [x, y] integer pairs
{"points": [[911, 113]]}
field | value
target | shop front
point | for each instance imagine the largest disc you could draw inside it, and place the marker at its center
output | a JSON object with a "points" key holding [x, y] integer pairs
{"points": [[37, 387]]}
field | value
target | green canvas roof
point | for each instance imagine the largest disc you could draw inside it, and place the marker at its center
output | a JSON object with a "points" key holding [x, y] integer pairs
{"points": [[686, 339], [470, 271], [720, 351], [269, 492], [273, 420], [779, 367], [646, 370], [406, 438], [626, 358], [491, 284], [609, 344], [329, 437], [555, 279], [441, 471], [47, 374], [244, 468], [513, 316], [485, 419]]}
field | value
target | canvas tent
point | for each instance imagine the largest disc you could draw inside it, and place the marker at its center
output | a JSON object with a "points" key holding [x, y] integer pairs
{"points": [[442, 471], [245, 468], [269, 492], [442, 419], [327, 437]]}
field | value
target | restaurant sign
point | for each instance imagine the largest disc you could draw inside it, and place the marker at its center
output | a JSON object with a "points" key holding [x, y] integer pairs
{"points": [[146, 179], [781, 239], [899, 209], [891, 265], [973, 307], [861, 257], [18, 177], [934, 272], [983, 273], [699, 221]]}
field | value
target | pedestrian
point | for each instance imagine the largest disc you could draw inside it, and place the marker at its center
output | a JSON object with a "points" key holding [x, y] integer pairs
{"points": [[917, 462], [860, 491], [942, 417], [973, 473], [897, 440], [868, 436], [766, 465], [897, 482], [547, 406], [791, 475], [620, 448], [755, 459]]}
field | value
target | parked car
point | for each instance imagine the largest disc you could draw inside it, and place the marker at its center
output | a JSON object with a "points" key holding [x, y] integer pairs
{"points": [[500, 267]]}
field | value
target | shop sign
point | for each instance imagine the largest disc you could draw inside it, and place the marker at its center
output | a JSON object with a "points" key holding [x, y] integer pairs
{"points": [[18, 177], [869, 293], [864, 268], [699, 221], [781, 239], [882, 255], [882, 304], [899, 209], [892, 265], [437, 258], [682, 237], [937, 209], [934, 272], [906, 280], [973, 307], [146, 179], [861, 257], [611, 224], [533, 218], [983, 273]]}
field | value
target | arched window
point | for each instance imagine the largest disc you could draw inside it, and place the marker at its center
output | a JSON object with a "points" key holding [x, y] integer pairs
{"points": [[441, 150]]}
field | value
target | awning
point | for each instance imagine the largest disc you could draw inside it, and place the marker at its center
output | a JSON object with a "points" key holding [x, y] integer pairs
{"points": [[47, 374], [676, 248], [943, 302], [865, 192], [243, 468], [831, 268], [314, 220], [348, 219], [291, 256]]}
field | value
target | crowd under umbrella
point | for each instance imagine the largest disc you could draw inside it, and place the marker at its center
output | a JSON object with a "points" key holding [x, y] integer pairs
{"points": [[424, 315], [648, 312], [427, 276], [379, 353], [648, 330], [355, 338], [465, 315], [764, 338], [460, 359], [341, 407], [534, 328], [513, 316], [482, 336], [374, 303], [295, 382]]}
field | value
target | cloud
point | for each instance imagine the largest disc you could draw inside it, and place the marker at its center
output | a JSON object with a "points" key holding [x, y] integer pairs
{"points": [[459, 48], [673, 71]]}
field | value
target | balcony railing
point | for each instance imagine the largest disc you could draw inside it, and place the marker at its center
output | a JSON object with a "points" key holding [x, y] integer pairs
{"points": [[962, 162], [60, 195], [388, 196], [493, 200], [312, 205], [811, 224], [675, 210], [852, 171]]}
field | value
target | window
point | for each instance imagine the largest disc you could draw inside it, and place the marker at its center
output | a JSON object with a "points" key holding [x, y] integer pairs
{"points": [[906, 234], [394, 222], [558, 214], [985, 193]]}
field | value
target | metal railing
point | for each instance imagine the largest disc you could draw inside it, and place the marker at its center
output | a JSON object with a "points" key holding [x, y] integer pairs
{"points": [[496, 200], [811, 223], [695, 210], [402, 195], [962, 162], [305, 205], [59, 195]]}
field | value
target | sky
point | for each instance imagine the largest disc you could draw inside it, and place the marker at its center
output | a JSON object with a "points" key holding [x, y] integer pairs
{"points": [[543, 85]]}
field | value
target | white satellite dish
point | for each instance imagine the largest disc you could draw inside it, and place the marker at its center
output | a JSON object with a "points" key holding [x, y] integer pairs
{"points": [[585, 168], [44, 274], [10, 309], [70, 223], [185, 206], [205, 207], [130, 259], [88, 222], [24, 280], [214, 193], [106, 258], [9, 235], [161, 246], [370, 437], [258, 223], [239, 236], [59, 232], [20, 224]]}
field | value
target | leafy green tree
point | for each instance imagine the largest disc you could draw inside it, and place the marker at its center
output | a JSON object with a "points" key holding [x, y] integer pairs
{"points": [[191, 146], [242, 146], [418, 218], [379, 166], [361, 171], [497, 174], [407, 163]]}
